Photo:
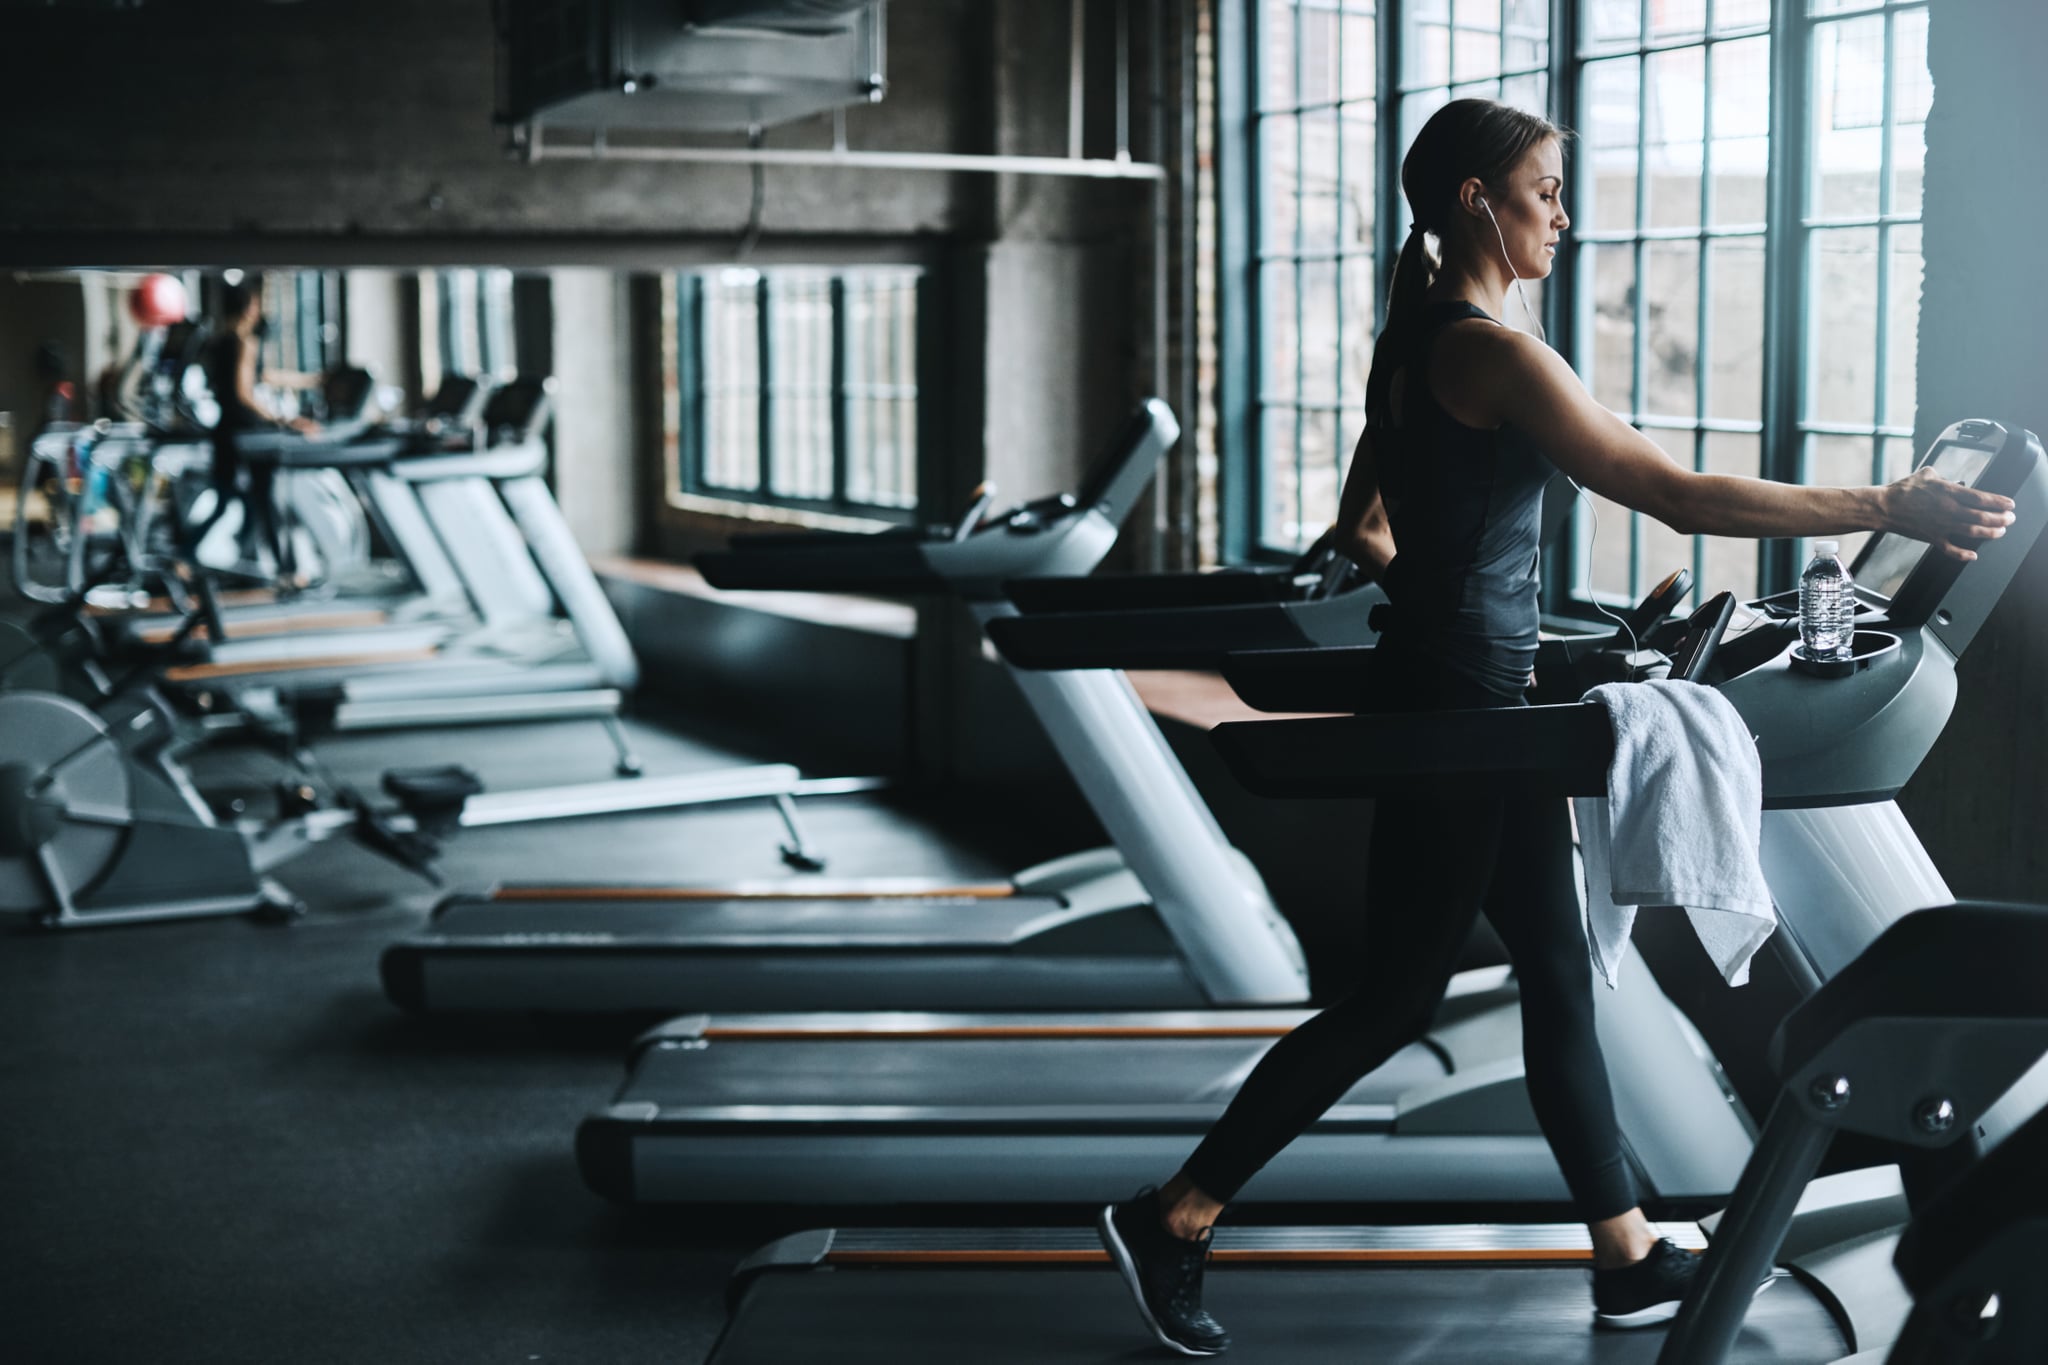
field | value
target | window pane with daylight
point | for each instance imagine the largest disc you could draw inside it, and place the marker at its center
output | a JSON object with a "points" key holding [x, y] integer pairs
{"points": [[1912, 97], [1671, 19], [1279, 333], [1323, 455], [1733, 16], [1276, 54], [1841, 301], [1607, 332], [1672, 147], [1902, 331], [1359, 74], [1320, 325], [800, 387], [1672, 367], [881, 388], [1607, 150], [1848, 116], [1735, 335], [1741, 129], [1279, 443], [1611, 23], [1426, 44], [732, 380]]}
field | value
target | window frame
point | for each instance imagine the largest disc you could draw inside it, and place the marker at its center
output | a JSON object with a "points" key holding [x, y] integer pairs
{"points": [[682, 433], [1784, 430]]}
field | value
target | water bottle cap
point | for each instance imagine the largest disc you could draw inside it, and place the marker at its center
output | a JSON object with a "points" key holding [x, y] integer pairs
{"points": [[1827, 547]]}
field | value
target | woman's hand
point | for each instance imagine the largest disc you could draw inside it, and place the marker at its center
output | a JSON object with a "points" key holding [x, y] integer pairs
{"points": [[1948, 516], [305, 426]]}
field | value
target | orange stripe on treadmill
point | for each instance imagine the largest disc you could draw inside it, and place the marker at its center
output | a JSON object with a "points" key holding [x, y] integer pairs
{"points": [[240, 597], [284, 625], [990, 891], [742, 1034], [1242, 1256], [203, 672]]}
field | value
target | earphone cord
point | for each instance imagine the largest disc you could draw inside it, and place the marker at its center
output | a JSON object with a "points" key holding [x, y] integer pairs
{"points": [[1591, 593], [1520, 292]]}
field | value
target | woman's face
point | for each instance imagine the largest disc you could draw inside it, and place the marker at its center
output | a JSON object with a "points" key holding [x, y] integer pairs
{"points": [[1530, 210]]}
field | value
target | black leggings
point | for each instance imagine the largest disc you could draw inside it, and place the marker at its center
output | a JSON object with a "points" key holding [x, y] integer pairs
{"points": [[1435, 865], [254, 483]]}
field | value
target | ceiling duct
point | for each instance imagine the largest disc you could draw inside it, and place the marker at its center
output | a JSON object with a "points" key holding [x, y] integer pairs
{"points": [[795, 16], [687, 65]]}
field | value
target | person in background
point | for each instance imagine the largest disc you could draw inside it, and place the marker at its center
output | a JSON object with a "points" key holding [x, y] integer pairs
{"points": [[233, 364]]}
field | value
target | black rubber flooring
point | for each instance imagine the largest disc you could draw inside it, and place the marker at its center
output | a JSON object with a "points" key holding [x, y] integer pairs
{"points": [[1421, 1315], [218, 1142]]}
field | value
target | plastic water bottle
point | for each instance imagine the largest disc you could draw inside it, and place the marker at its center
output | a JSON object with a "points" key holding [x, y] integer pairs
{"points": [[1827, 605]]}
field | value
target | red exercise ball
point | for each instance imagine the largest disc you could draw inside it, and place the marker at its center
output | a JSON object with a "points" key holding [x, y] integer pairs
{"points": [[157, 301]]}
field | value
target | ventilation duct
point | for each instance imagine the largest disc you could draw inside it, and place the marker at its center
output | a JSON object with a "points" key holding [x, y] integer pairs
{"points": [[795, 16], [688, 65]]}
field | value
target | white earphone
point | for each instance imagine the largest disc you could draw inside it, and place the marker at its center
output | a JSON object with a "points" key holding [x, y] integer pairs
{"points": [[1520, 293]]}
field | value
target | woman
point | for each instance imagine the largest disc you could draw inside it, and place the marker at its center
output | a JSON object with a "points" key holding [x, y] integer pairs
{"points": [[231, 364], [1466, 420]]}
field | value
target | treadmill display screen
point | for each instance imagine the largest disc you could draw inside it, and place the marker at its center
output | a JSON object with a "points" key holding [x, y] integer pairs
{"points": [[1887, 561]]}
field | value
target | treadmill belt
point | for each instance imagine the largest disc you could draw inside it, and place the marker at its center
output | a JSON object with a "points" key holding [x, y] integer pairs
{"points": [[982, 1072], [1406, 1315], [837, 922]]}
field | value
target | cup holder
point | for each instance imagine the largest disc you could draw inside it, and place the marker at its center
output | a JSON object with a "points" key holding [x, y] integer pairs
{"points": [[1869, 646]]}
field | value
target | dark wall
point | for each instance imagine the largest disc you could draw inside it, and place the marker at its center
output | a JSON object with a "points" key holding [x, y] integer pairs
{"points": [[374, 117], [1981, 801], [33, 312]]}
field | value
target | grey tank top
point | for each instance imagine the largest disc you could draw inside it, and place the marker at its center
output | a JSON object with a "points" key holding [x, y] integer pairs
{"points": [[1465, 506]]}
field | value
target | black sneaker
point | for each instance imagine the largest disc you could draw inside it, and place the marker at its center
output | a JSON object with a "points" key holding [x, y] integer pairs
{"points": [[1164, 1273], [1649, 1291]]}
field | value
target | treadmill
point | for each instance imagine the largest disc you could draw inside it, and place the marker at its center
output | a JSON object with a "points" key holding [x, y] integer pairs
{"points": [[1887, 1032], [417, 584], [505, 542], [1171, 917], [1921, 1029], [897, 1108]]}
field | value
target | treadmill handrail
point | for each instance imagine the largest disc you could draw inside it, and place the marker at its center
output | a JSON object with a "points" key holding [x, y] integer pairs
{"points": [[1151, 592], [1534, 750], [1163, 637]]}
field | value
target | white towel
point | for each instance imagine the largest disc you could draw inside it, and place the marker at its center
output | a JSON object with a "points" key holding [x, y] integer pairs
{"points": [[1680, 825]]}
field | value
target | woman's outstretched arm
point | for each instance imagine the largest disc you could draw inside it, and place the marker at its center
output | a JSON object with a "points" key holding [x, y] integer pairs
{"points": [[1514, 378]]}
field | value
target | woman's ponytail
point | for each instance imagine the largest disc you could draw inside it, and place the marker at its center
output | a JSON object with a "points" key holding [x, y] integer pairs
{"points": [[1414, 272]]}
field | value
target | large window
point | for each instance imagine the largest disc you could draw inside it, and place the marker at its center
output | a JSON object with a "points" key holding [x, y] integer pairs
{"points": [[1859, 235], [303, 310], [1745, 207], [473, 319], [1669, 220], [1316, 120], [794, 387]]}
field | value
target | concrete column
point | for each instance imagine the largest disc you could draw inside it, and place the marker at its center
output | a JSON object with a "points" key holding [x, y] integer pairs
{"points": [[595, 437]]}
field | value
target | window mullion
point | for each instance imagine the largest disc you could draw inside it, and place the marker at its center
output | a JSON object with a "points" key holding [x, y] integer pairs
{"points": [[1638, 396], [1392, 207], [840, 403], [764, 396], [1300, 308], [1705, 309], [1785, 278], [1881, 389]]}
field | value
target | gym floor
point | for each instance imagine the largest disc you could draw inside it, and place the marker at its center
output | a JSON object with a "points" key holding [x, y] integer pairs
{"points": [[222, 1144]]}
